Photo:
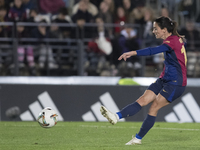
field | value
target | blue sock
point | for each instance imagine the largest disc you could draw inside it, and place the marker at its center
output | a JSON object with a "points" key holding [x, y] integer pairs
{"points": [[138, 137], [129, 110], [146, 126]]}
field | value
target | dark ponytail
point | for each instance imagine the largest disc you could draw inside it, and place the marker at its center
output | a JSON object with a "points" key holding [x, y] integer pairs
{"points": [[170, 25], [175, 32]]}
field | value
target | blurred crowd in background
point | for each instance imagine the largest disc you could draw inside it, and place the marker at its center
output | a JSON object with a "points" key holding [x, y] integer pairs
{"points": [[107, 28]]}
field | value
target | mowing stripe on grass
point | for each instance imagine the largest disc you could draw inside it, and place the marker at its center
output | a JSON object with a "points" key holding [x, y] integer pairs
{"points": [[91, 126]]}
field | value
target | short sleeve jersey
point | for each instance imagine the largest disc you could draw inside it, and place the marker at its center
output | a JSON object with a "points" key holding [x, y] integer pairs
{"points": [[174, 71]]}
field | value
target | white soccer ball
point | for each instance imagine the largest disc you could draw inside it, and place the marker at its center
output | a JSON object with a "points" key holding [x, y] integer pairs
{"points": [[47, 118]]}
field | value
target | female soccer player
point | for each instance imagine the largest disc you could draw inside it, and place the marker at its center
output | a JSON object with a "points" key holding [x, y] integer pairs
{"points": [[167, 88]]}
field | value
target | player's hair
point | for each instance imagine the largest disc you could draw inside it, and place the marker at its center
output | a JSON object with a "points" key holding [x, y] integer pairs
{"points": [[170, 25]]}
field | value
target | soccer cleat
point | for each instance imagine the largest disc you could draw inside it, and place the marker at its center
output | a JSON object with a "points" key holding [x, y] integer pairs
{"points": [[112, 118], [134, 141]]}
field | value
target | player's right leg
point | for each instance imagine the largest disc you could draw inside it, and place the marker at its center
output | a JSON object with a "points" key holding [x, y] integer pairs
{"points": [[130, 109]]}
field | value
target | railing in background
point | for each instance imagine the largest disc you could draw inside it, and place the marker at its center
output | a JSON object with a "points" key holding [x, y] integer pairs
{"points": [[77, 46]]}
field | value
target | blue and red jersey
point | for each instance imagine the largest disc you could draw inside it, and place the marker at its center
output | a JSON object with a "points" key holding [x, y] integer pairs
{"points": [[174, 71]]}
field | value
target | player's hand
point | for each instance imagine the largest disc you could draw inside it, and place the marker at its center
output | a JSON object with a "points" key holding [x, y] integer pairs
{"points": [[127, 55]]}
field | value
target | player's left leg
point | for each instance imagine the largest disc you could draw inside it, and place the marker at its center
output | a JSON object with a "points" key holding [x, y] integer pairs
{"points": [[149, 121]]}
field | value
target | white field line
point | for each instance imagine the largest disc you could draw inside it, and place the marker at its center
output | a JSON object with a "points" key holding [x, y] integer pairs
{"points": [[114, 127], [9, 125], [183, 129]]}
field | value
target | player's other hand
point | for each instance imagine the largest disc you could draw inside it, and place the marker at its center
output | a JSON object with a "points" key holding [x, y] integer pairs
{"points": [[127, 55]]}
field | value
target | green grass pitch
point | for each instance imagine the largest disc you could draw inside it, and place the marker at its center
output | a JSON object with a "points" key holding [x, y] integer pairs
{"points": [[97, 136]]}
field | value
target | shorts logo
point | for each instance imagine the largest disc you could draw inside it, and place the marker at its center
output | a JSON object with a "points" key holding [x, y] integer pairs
{"points": [[164, 91]]}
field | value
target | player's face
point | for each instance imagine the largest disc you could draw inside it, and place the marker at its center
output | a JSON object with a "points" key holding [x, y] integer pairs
{"points": [[159, 33]]}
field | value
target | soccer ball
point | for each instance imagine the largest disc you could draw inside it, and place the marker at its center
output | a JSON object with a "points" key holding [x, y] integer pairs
{"points": [[47, 118]]}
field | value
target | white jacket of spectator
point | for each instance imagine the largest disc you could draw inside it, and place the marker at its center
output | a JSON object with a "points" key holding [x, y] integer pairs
{"points": [[103, 44]]}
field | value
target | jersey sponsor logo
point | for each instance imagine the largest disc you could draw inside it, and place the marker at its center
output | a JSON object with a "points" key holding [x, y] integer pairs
{"points": [[166, 41], [186, 111], [180, 40], [95, 115], [35, 108]]}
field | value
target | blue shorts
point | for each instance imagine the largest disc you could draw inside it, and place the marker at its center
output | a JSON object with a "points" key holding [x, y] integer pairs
{"points": [[169, 91]]}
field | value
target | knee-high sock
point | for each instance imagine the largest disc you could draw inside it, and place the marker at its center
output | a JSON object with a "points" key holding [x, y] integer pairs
{"points": [[146, 126], [129, 110]]}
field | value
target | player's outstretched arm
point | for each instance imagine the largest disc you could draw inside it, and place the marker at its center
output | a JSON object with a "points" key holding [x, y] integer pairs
{"points": [[127, 55]]}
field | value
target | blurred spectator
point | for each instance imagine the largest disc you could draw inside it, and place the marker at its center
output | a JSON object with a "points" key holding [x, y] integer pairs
{"points": [[34, 16], [99, 50], [81, 17], [29, 4], [192, 35], [83, 12], [85, 5], [81, 31], [165, 12], [111, 5], [148, 36], [63, 17], [8, 4], [46, 58], [101, 44], [3, 12], [137, 14], [50, 6], [128, 7], [104, 12], [3, 33], [170, 5], [128, 42], [188, 7], [17, 12], [103, 40], [2, 3], [150, 40], [25, 54], [119, 20], [106, 15], [21, 33]]}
